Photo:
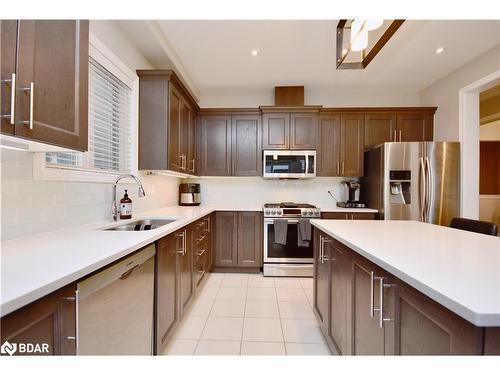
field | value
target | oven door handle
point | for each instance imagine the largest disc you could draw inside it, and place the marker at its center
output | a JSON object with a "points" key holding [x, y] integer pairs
{"points": [[290, 221]]}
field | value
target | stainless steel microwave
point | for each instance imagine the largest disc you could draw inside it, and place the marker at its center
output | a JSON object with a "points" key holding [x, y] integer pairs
{"points": [[289, 164]]}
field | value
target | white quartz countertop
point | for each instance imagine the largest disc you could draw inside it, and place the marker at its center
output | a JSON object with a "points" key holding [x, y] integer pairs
{"points": [[35, 266], [342, 209], [458, 269]]}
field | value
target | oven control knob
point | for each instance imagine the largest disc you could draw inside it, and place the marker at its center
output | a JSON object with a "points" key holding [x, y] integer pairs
{"points": [[267, 212], [273, 212]]}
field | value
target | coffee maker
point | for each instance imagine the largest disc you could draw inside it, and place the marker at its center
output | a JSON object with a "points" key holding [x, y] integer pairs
{"points": [[351, 194], [189, 194]]}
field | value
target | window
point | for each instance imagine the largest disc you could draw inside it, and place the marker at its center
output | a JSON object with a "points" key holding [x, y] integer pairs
{"points": [[110, 126]]}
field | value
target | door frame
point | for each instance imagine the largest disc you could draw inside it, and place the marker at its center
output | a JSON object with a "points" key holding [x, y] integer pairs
{"points": [[469, 141]]}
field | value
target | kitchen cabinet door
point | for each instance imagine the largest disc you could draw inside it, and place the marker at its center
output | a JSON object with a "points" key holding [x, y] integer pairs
{"points": [[275, 131], [215, 145], [340, 297], [369, 338], [52, 82], [335, 215], [321, 283], [226, 239], [303, 131], [50, 320], [379, 128], [185, 258], [427, 328], [414, 127], [175, 162], [328, 163], [246, 145], [167, 312], [361, 216], [352, 144], [250, 227], [8, 44]]}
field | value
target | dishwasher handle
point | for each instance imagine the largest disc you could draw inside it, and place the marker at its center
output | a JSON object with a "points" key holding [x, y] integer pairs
{"points": [[128, 273]]}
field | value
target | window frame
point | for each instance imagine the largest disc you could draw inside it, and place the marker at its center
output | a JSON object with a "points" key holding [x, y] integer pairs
{"points": [[49, 172]]}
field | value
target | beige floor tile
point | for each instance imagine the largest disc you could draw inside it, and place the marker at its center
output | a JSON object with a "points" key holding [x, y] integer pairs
{"points": [[262, 348], [259, 281], [262, 329], [295, 310], [208, 292], [261, 294], [223, 329], [190, 327], [214, 279], [232, 293], [214, 347], [306, 349], [201, 307], [228, 308], [261, 309], [302, 331], [289, 294], [307, 282], [284, 282], [239, 280], [309, 295], [180, 347]]}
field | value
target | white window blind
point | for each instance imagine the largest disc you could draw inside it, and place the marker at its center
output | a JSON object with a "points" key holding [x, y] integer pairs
{"points": [[110, 126]]}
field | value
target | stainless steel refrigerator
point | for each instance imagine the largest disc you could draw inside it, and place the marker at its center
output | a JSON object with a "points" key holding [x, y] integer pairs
{"points": [[413, 181]]}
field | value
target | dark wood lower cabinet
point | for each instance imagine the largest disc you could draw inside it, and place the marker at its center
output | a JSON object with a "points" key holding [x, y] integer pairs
{"points": [[185, 257], [51, 320], [403, 322], [348, 215], [167, 313], [238, 240]]}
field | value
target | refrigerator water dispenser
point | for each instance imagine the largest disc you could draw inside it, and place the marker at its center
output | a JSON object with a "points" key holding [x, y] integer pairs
{"points": [[400, 187]]}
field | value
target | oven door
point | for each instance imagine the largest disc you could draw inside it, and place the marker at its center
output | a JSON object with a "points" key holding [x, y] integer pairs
{"points": [[289, 164], [289, 253]]}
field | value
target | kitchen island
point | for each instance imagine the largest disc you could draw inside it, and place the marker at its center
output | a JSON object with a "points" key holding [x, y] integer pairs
{"points": [[406, 287]]}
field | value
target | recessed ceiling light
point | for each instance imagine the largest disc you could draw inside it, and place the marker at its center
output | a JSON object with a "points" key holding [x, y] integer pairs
{"points": [[440, 50], [255, 52]]}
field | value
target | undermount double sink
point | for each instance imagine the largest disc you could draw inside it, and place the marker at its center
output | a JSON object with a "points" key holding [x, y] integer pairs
{"points": [[142, 225]]}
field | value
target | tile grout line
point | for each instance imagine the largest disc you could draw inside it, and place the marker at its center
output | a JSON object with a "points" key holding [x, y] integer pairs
{"points": [[279, 314]]}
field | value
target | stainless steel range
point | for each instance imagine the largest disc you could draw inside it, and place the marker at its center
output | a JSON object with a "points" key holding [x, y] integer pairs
{"points": [[288, 250]]}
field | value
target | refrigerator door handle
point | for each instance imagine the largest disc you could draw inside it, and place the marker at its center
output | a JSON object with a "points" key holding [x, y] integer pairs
{"points": [[422, 194], [429, 188]]}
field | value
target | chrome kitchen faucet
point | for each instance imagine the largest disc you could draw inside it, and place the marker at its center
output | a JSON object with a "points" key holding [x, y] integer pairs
{"points": [[114, 207]]}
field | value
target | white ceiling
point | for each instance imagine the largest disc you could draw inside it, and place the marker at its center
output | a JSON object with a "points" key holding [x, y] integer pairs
{"points": [[217, 54]]}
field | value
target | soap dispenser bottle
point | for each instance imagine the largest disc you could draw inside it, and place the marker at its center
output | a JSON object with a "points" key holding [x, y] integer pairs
{"points": [[126, 207]]}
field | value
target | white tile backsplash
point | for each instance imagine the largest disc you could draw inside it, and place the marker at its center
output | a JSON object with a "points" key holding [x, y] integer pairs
{"points": [[30, 206], [250, 191]]}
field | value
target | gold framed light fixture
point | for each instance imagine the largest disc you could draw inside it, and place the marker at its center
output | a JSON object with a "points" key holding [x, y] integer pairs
{"points": [[359, 41]]}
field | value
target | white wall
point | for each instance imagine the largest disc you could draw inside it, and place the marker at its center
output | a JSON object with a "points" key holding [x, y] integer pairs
{"points": [[29, 206], [255, 191], [444, 93], [328, 97]]}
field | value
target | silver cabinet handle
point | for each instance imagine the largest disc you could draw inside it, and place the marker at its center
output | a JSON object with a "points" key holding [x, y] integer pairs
{"points": [[382, 286], [338, 168], [182, 249], [400, 135], [393, 136], [74, 299], [184, 245], [201, 238], [193, 163], [12, 82], [31, 89], [208, 224], [325, 240], [428, 189], [343, 168], [321, 248], [201, 252], [372, 294]]}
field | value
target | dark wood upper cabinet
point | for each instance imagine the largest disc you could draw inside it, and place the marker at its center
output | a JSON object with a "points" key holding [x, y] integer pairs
{"points": [[246, 151], [51, 96], [167, 134], [303, 131], [226, 239], [215, 145], [8, 45], [166, 296], [275, 131], [351, 144], [328, 145], [379, 128], [250, 239], [414, 126], [50, 320]]}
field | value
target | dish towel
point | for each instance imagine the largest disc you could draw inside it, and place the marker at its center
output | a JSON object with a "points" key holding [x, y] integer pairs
{"points": [[280, 231], [303, 232]]}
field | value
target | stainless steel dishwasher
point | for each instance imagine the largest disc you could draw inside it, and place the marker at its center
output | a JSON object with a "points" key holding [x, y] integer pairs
{"points": [[115, 308]]}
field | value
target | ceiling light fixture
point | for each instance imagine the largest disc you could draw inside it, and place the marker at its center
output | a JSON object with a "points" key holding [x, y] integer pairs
{"points": [[439, 50], [255, 52], [362, 46]]}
